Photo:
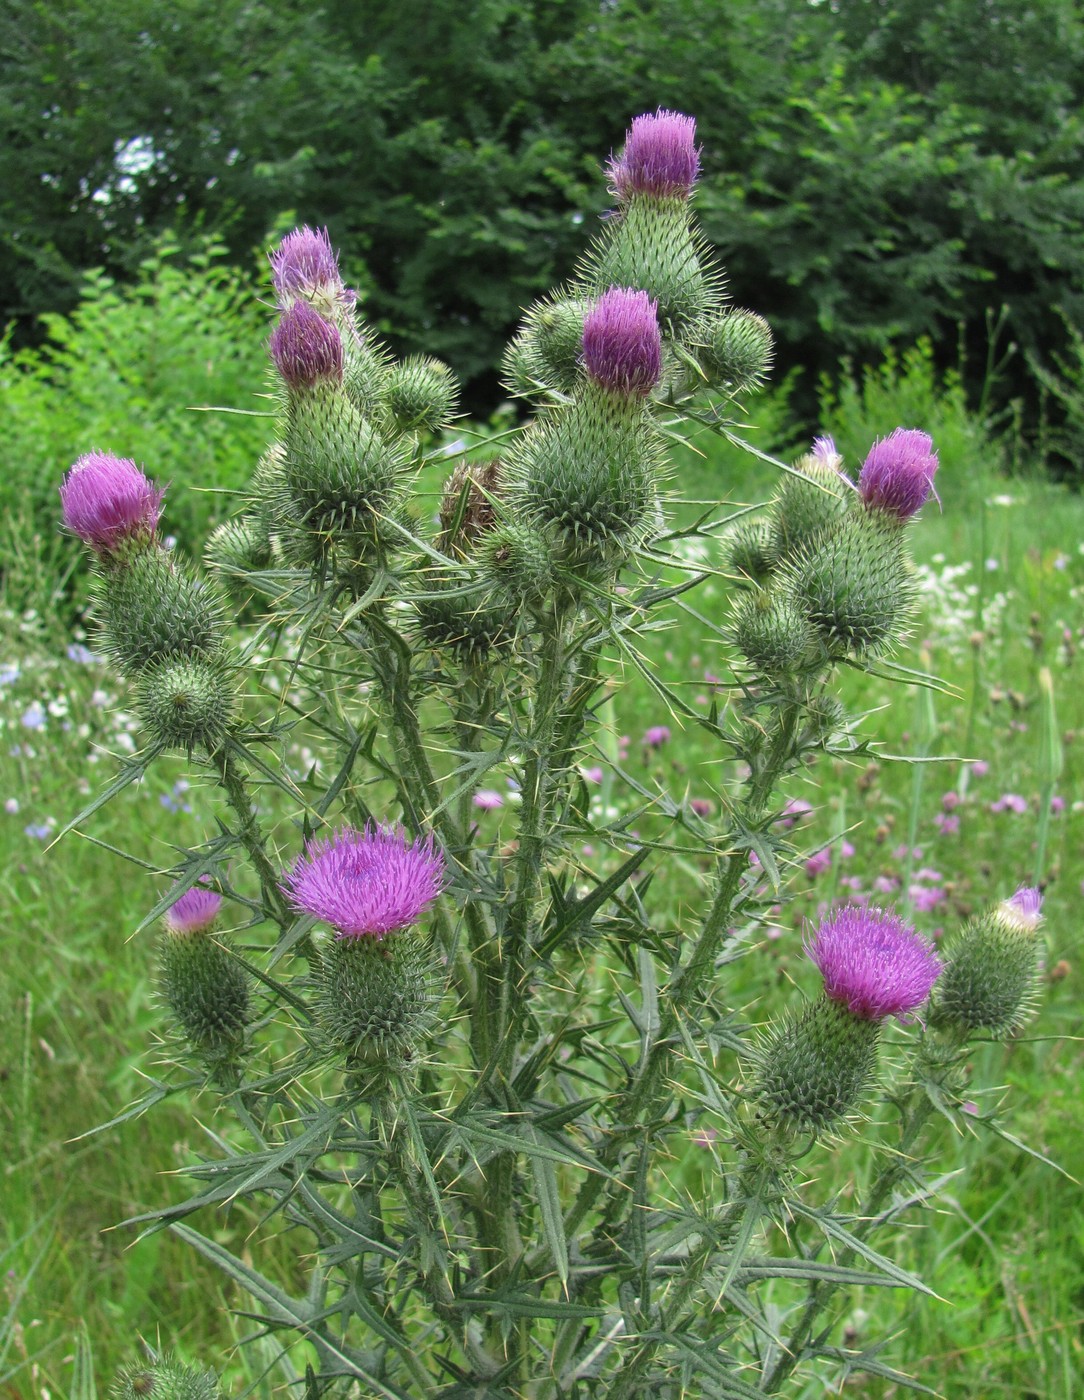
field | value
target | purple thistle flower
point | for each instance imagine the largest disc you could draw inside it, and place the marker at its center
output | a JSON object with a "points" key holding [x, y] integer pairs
{"points": [[824, 449], [306, 349], [656, 736], [660, 157], [622, 345], [195, 911], [897, 476], [107, 501], [305, 264], [487, 799], [366, 883], [873, 963], [1024, 909]]}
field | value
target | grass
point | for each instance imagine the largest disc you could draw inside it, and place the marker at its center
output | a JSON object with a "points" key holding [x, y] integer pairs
{"points": [[1006, 1249]]}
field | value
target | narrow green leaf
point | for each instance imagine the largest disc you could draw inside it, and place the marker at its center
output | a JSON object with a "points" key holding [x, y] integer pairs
{"points": [[831, 1227], [549, 1207]]}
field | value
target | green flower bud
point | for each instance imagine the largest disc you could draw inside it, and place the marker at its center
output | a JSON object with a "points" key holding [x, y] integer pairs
{"points": [[650, 244], [421, 393], [471, 622], [152, 609], [815, 1068], [770, 632], [166, 1378], [187, 702], [734, 349], [340, 474], [807, 505], [854, 584], [991, 969], [377, 998], [238, 547], [366, 371], [747, 549], [588, 473], [518, 560], [204, 986], [547, 351]]}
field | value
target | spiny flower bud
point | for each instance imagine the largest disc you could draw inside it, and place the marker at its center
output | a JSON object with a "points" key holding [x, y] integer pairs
{"points": [[815, 497], [470, 622], [735, 350], [622, 346], [747, 549], [305, 265], [152, 608], [547, 351], [421, 393], [205, 987], [815, 1068], [897, 476], [770, 632], [376, 999], [187, 702], [165, 1378], [854, 584], [307, 349], [238, 546], [366, 884], [990, 970], [518, 559], [109, 503], [660, 158]]}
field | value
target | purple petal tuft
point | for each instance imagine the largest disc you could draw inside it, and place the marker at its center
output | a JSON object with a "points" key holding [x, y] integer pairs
{"points": [[897, 476], [366, 883], [622, 344], [873, 962], [660, 157], [107, 501], [306, 349], [304, 265], [195, 911]]}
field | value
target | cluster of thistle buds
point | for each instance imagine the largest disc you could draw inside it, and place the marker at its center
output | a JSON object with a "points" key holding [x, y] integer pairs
{"points": [[827, 567], [815, 1068], [163, 626]]}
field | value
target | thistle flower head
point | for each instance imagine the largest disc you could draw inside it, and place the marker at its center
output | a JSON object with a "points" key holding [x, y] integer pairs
{"points": [[1024, 909], [824, 451], [195, 911], [873, 963], [366, 883], [897, 476], [622, 344], [660, 157], [306, 348], [108, 502], [305, 265]]}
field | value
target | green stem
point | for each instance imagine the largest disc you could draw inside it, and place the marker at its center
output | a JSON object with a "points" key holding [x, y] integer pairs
{"points": [[251, 837]]}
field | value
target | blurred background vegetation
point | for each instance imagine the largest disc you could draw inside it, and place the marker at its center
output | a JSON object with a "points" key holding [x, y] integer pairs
{"points": [[873, 172]]}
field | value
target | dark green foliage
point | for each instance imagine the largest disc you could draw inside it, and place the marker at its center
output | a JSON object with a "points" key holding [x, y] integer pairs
{"points": [[816, 1067]]}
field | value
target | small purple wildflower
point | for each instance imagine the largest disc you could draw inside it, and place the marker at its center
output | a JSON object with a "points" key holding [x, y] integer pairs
{"points": [[950, 800], [195, 911], [366, 883], [897, 476], [980, 768], [660, 157], [656, 736], [306, 349], [947, 825], [818, 862], [795, 809], [1024, 908], [702, 806], [305, 265], [1057, 804], [11, 806], [83, 656], [592, 775], [1010, 802], [38, 831], [886, 884], [846, 850], [487, 799], [622, 344], [33, 716], [969, 1106], [925, 897], [873, 962], [107, 501]]}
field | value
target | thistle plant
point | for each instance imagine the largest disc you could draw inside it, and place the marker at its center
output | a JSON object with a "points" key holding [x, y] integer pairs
{"points": [[458, 1067]]}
